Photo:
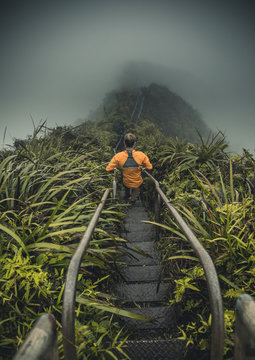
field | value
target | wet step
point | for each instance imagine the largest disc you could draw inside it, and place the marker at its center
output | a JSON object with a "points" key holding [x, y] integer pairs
{"points": [[146, 293], [142, 292], [136, 218], [138, 226], [162, 317], [139, 236], [137, 213], [141, 273], [173, 349], [147, 256]]}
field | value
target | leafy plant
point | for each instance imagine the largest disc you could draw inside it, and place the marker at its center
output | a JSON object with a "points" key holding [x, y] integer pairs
{"points": [[48, 193], [219, 208]]}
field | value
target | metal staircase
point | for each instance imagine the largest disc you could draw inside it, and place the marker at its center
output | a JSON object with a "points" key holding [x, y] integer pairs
{"points": [[145, 292]]}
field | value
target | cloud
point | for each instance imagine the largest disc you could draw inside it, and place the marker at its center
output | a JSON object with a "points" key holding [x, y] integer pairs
{"points": [[61, 58]]}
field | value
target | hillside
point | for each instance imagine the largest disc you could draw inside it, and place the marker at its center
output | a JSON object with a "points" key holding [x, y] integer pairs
{"points": [[156, 103]]}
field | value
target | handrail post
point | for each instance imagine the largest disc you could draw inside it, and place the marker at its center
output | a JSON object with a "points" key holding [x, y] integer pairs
{"points": [[41, 342], [114, 185], [68, 313], [157, 215], [245, 328]]}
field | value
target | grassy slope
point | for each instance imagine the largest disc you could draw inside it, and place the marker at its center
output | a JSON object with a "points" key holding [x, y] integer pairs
{"points": [[49, 188]]}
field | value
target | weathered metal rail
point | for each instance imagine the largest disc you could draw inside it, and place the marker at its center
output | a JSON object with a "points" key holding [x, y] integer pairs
{"points": [[245, 328], [41, 343], [216, 305], [68, 314]]}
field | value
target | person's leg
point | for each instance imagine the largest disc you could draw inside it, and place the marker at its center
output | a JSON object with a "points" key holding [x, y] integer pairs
{"points": [[127, 192], [134, 193]]}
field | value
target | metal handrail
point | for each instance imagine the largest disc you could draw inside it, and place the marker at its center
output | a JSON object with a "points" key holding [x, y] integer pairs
{"points": [[41, 342], [68, 314], [215, 298], [114, 184], [245, 328]]}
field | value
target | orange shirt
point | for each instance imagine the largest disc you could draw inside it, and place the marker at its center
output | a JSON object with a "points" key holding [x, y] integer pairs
{"points": [[131, 176]]}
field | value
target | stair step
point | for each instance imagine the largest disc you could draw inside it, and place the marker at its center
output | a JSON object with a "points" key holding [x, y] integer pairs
{"points": [[163, 317], [136, 219], [141, 273], [148, 247], [142, 292], [136, 213], [137, 226], [139, 236], [138, 204], [173, 349], [149, 255]]}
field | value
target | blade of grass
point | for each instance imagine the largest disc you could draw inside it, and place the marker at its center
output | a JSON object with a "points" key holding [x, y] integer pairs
{"points": [[14, 236], [111, 309]]}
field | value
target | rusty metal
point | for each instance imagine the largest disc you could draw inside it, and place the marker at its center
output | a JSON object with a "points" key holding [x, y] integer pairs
{"points": [[245, 328], [41, 342], [68, 313], [215, 298]]}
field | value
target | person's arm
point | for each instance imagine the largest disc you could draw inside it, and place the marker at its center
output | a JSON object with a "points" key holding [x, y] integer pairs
{"points": [[112, 164], [146, 162]]}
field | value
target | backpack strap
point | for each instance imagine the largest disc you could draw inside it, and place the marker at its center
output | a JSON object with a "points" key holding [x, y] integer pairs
{"points": [[130, 162]]}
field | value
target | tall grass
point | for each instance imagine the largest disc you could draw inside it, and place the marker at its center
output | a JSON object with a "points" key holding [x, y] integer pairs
{"points": [[216, 198], [50, 186]]}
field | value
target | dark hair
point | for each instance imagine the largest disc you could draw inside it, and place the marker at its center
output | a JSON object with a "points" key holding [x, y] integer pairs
{"points": [[129, 140]]}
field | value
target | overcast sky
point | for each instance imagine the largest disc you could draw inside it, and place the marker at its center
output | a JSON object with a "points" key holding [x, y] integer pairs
{"points": [[59, 58]]}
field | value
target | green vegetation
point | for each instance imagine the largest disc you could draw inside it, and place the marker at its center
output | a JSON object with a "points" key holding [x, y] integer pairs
{"points": [[50, 185], [214, 192]]}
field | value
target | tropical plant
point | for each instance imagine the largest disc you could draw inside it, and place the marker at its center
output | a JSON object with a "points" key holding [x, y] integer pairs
{"points": [[209, 152], [220, 213], [48, 195]]}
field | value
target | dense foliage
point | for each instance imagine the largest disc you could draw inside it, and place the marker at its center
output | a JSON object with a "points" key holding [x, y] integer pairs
{"points": [[50, 186], [214, 192]]}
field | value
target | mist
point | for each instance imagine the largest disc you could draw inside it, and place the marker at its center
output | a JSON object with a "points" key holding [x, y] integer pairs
{"points": [[59, 59]]}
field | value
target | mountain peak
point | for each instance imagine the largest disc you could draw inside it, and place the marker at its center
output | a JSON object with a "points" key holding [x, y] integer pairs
{"points": [[156, 103]]}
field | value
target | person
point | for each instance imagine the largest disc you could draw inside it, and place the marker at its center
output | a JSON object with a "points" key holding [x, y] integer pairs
{"points": [[130, 162]]}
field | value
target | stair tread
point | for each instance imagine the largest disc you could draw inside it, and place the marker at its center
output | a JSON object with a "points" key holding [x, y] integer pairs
{"points": [[161, 316], [142, 292], [139, 236], [143, 245], [173, 349], [140, 259], [148, 256], [141, 273], [137, 226], [145, 272], [135, 214]]}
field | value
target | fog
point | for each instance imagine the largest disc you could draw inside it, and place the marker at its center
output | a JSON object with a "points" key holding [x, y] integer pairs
{"points": [[58, 59]]}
